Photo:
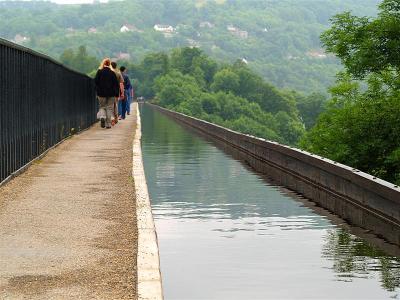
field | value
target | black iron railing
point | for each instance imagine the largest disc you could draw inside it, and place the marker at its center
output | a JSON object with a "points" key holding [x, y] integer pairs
{"points": [[41, 103]]}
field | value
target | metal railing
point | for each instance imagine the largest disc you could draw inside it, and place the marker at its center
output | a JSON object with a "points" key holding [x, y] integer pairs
{"points": [[41, 103]]}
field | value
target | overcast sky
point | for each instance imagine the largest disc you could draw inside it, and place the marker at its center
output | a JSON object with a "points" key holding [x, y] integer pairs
{"points": [[73, 1]]}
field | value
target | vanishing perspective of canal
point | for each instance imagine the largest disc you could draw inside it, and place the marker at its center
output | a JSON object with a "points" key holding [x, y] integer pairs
{"points": [[226, 232]]}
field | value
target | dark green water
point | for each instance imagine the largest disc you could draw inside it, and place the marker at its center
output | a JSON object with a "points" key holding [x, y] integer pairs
{"points": [[225, 232]]}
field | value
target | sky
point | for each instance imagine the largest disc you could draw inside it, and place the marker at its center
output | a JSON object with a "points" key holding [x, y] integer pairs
{"points": [[73, 1]]}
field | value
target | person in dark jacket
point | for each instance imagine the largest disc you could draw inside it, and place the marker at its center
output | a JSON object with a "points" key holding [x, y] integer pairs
{"points": [[107, 86]]}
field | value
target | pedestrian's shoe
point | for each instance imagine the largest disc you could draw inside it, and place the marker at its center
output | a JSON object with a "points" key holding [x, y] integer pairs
{"points": [[113, 122], [102, 122], [128, 113], [108, 127]]}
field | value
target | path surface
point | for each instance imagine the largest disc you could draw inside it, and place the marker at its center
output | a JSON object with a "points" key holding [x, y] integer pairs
{"points": [[68, 224]]}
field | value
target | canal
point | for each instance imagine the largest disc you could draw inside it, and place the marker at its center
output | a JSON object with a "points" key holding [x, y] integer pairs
{"points": [[226, 232]]}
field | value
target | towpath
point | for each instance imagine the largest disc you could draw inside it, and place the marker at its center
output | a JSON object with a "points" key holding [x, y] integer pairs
{"points": [[68, 224]]}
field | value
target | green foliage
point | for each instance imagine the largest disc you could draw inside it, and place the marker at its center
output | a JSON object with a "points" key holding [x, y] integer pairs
{"points": [[361, 127], [225, 80], [152, 66], [175, 88], [188, 87], [367, 46], [351, 256], [80, 61], [310, 107], [281, 34]]}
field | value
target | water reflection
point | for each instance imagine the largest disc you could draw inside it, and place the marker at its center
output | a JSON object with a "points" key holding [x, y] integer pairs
{"points": [[228, 233], [352, 257]]}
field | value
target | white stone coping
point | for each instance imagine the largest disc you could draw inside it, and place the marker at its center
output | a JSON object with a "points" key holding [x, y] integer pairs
{"points": [[149, 282]]}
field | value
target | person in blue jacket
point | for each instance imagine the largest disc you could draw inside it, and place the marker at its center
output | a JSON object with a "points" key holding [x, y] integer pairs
{"points": [[128, 90]]}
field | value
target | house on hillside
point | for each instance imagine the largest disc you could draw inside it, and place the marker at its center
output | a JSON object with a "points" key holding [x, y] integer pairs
{"points": [[124, 28], [164, 28], [20, 39], [192, 43], [92, 30], [129, 28], [317, 54], [70, 31], [231, 28], [123, 56], [237, 32], [292, 57], [206, 24]]}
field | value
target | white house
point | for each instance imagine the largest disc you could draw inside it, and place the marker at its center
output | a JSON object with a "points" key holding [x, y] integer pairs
{"points": [[124, 28], [20, 39], [129, 28], [164, 28], [206, 24]]}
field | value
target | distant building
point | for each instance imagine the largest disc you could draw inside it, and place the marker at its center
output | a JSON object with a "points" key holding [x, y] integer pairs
{"points": [[164, 28], [242, 34], [20, 39], [317, 54], [292, 57], [206, 25], [237, 32], [244, 60], [129, 28], [124, 28], [123, 56], [92, 30], [192, 43], [231, 28]]}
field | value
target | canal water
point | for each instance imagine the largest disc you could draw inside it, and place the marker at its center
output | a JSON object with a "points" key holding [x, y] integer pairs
{"points": [[226, 232]]}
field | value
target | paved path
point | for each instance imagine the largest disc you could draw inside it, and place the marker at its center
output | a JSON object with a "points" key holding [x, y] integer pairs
{"points": [[68, 224]]}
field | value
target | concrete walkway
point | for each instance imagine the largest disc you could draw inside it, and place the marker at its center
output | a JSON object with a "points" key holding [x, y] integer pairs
{"points": [[68, 224]]}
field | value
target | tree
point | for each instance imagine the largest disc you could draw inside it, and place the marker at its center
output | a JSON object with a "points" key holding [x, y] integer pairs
{"points": [[225, 80], [310, 107], [175, 88], [80, 61], [182, 59], [152, 66], [367, 46], [361, 128]]}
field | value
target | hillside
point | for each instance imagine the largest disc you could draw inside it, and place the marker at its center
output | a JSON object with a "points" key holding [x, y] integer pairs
{"points": [[278, 38]]}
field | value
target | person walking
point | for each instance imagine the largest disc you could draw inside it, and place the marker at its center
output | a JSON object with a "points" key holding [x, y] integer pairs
{"points": [[120, 95], [126, 107], [107, 86]]}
